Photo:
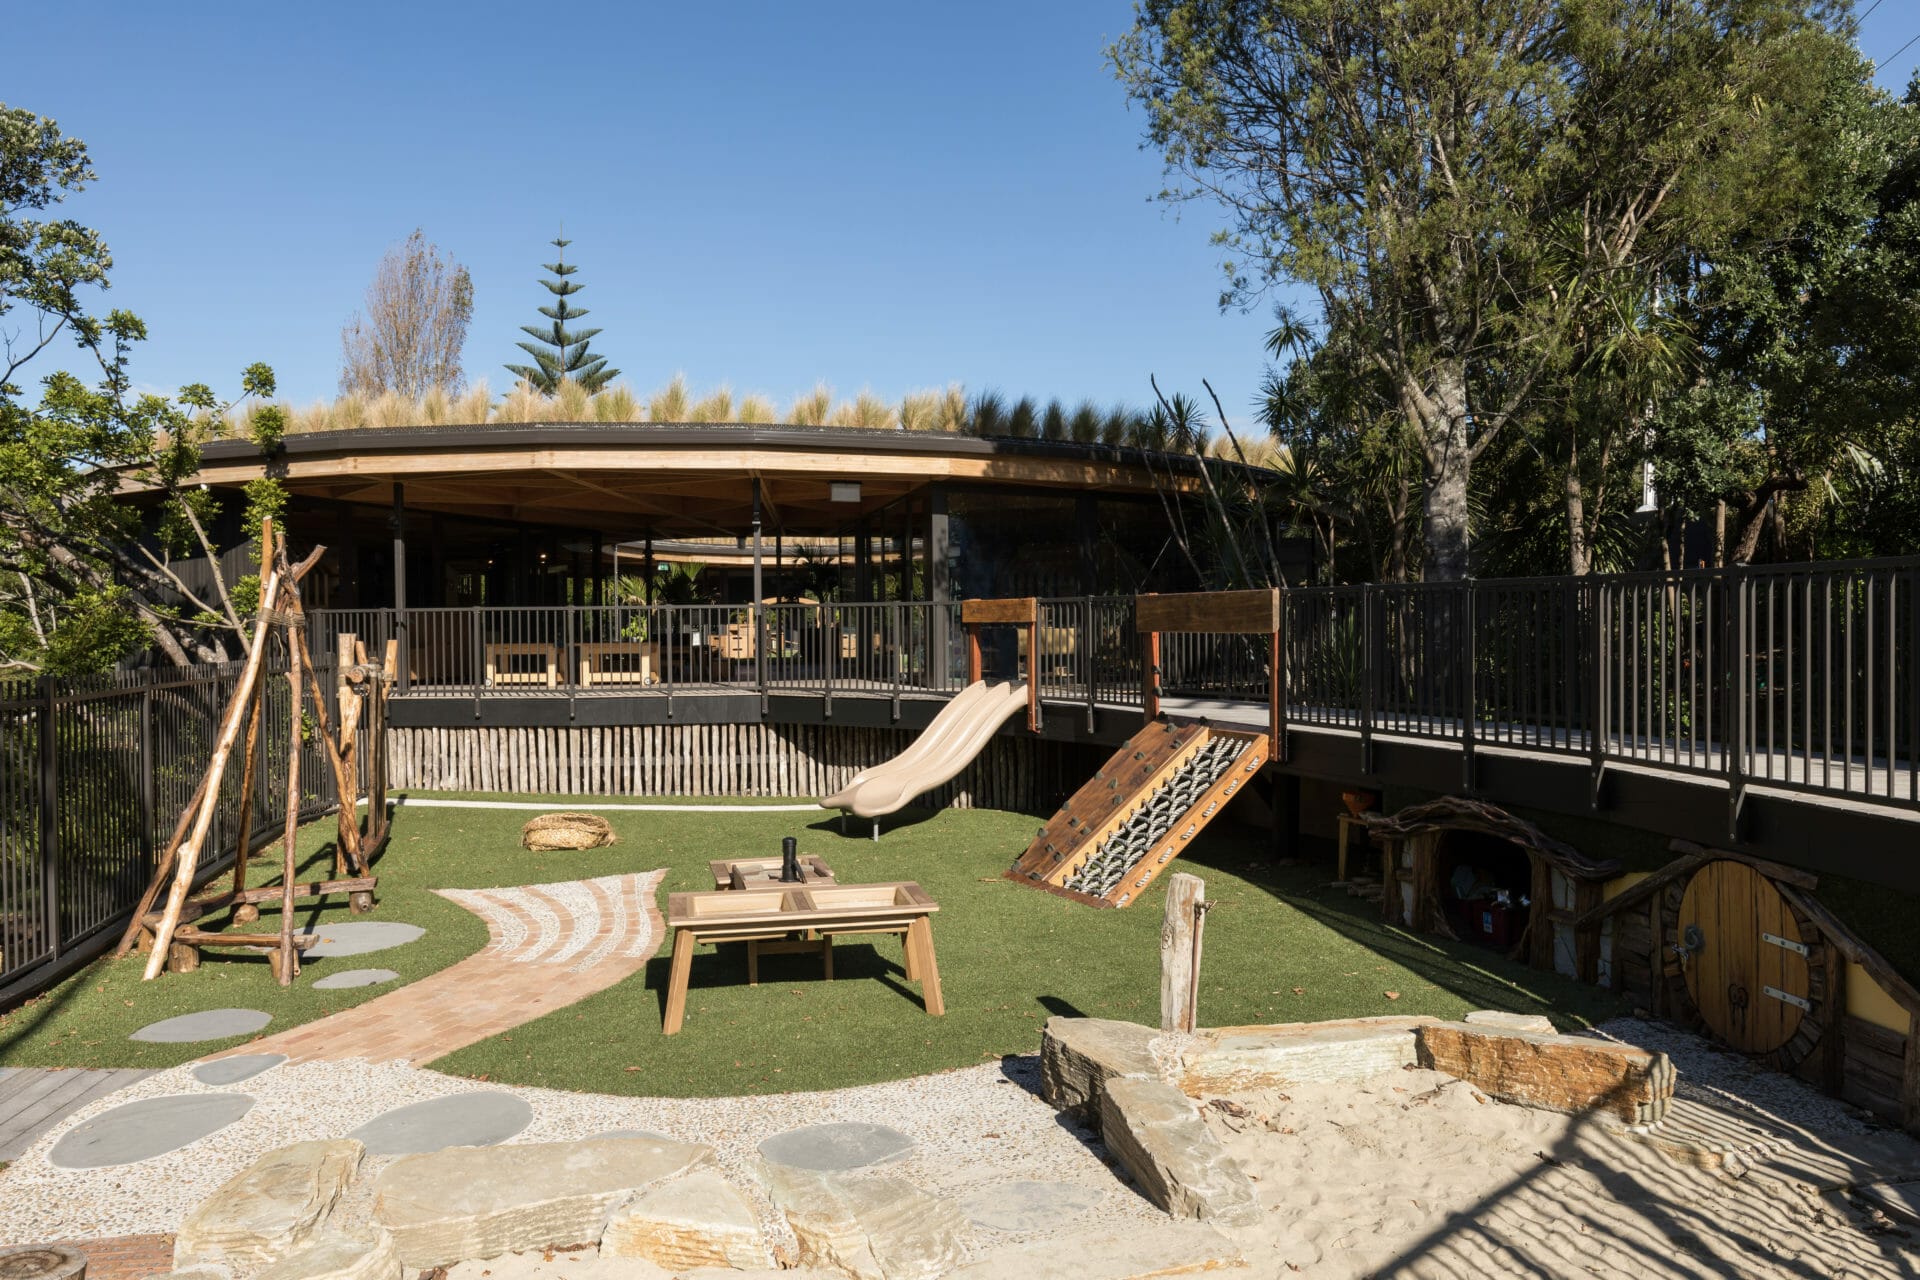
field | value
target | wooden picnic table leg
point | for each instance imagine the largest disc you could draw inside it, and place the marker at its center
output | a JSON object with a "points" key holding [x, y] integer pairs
{"points": [[683, 942], [920, 938], [913, 955], [753, 962], [826, 954]]}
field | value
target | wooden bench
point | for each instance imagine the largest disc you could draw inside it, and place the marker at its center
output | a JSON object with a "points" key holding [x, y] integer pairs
{"points": [[773, 915], [606, 662], [500, 664]]}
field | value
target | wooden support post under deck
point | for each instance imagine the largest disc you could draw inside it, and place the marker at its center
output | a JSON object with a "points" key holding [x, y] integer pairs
{"points": [[973, 655], [1033, 674], [1150, 674]]}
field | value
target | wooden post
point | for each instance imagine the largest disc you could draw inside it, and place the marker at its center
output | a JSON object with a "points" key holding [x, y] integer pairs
{"points": [[1033, 673], [246, 911], [189, 857], [1180, 939], [973, 655], [349, 813], [1833, 1022], [1910, 1078], [1150, 674], [289, 960], [1657, 954]]}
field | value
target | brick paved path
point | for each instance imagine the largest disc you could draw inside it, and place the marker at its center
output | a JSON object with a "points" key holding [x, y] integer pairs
{"points": [[125, 1257], [553, 945]]}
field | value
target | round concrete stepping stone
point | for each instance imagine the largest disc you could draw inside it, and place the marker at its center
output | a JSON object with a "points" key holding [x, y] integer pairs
{"points": [[147, 1128], [1027, 1206], [834, 1148], [208, 1024], [354, 978], [234, 1070], [462, 1120], [357, 937], [648, 1134]]}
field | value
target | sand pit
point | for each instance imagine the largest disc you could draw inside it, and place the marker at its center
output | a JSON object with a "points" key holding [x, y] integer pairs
{"points": [[1416, 1173]]}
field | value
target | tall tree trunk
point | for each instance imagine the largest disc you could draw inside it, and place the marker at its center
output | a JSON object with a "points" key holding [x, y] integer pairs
{"points": [[1448, 453], [1579, 554]]}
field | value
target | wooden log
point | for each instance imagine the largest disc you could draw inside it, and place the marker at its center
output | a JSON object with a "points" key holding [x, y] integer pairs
{"points": [[1772, 870], [348, 830], [243, 845], [1833, 1018], [162, 869], [1255, 612], [1641, 890], [189, 856], [182, 955], [289, 958], [1180, 938], [349, 796], [262, 941]]}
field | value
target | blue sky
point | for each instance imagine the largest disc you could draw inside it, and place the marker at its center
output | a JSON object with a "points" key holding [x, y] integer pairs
{"points": [[875, 195]]}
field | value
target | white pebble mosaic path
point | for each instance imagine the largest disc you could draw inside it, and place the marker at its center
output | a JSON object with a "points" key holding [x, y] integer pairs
{"points": [[579, 923], [971, 1129]]}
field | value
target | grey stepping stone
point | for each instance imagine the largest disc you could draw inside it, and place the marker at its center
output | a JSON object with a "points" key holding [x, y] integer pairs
{"points": [[834, 1148], [234, 1070], [357, 937], [208, 1024], [648, 1134], [147, 1128], [354, 978], [461, 1120], [1027, 1206]]}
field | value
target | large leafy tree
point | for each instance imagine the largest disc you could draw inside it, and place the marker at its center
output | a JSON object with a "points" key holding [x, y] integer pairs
{"points": [[1453, 178], [1798, 436], [560, 353], [86, 578]]}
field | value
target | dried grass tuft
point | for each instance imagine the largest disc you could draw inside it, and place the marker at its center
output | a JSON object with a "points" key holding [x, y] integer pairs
{"points": [[566, 831]]}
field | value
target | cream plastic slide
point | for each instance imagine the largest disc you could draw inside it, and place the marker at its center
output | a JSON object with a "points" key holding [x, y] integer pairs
{"points": [[954, 738]]}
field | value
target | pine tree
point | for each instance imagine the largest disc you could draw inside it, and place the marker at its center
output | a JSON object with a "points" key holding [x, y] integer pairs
{"points": [[557, 351]]}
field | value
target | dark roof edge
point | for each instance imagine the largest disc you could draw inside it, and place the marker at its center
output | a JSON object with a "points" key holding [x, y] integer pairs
{"points": [[872, 440]]}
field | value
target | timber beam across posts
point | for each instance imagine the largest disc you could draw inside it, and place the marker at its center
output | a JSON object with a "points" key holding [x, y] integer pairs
{"points": [[1239, 613], [1017, 611]]}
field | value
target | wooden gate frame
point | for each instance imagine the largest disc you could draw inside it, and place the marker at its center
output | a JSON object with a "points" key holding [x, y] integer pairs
{"points": [[1246, 613], [1017, 611]]}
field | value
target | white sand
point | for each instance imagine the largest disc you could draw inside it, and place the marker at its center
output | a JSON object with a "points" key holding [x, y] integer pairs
{"points": [[1418, 1174]]}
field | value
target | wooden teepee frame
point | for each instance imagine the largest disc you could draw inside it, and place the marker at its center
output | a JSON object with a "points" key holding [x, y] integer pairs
{"points": [[174, 939]]}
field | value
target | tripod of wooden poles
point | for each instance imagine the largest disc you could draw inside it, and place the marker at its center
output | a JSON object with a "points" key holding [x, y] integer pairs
{"points": [[171, 932]]}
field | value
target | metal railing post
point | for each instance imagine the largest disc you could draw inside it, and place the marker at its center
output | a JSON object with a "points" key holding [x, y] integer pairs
{"points": [[1599, 654], [1087, 660], [1739, 657], [567, 651], [1469, 728], [50, 813], [148, 837], [760, 653], [1368, 667], [478, 623]]}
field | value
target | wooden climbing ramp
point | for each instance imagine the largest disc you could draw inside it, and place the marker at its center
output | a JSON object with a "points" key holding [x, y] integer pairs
{"points": [[1140, 811]]}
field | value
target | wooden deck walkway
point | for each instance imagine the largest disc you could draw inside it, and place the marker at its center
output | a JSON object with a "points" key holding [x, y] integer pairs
{"points": [[34, 1100]]}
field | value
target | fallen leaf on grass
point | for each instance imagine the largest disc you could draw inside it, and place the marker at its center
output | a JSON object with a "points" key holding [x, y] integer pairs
{"points": [[1299, 991], [1393, 995]]}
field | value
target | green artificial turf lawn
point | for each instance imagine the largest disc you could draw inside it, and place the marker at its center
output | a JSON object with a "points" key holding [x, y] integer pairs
{"points": [[1279, 947]]}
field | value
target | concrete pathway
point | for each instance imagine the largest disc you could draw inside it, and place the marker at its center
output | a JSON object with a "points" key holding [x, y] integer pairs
{"points": [[34, 1100], [552, 945]]}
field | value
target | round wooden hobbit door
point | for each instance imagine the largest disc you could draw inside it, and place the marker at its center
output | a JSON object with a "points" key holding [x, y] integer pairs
{"points": [[1746, 963]]}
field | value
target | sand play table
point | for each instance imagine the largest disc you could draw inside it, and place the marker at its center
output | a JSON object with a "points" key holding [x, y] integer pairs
{"points": [[761, 916], [764, 873]]}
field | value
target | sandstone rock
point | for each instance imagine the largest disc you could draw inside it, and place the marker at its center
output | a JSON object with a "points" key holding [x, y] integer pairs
{"points": [[1224, 1060], [331, 1256], [479, 1202], [270, 1208], [1078, 1055], [1558, 1073], [1156, 1132], [868, 1228], [1170, 1249], [696, 1221], [198, 1271], [1500, 1020]]}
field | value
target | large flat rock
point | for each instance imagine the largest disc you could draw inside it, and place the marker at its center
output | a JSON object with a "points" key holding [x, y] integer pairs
{"points": [[480, 1202], [1575, 1074], [868, 1228], [1156, 1132], [330, 1256], [270, 1208], [135, 1131], [1225, 1060], [696, 1221], [1079, 1055], [1168, 1249]]}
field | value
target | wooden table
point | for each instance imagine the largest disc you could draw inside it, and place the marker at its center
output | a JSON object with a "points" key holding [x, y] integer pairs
{"points": [[1348, 824], [764, 873], [500, 671], [596, 667], [763, 915]]}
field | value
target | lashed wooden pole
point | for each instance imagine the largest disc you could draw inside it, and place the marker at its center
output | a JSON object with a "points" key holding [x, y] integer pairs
{"points": [[189, 857], [289, 959], [162, 869], [246, 911]]}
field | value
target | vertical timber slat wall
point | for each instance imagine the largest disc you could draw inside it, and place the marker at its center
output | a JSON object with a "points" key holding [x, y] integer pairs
{"points": [[701, 760]]}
